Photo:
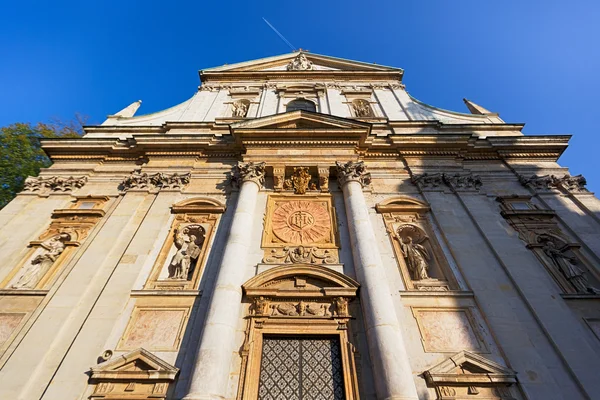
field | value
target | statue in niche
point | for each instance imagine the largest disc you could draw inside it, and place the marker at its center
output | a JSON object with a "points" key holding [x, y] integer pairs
{"points": [[567, 266], [240, 108], [417, 258], [189, 244], [35, 270], [362, 109]]}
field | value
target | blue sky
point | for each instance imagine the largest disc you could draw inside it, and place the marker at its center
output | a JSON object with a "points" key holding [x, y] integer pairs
{"points": [[532, 61]]}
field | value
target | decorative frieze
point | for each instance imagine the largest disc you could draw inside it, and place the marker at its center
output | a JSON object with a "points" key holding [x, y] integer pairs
{"points": [[456, 182], [336, 307], [249, 172], [301, 255], [139, 180], [44, 185], [544, 183], [352, 172]]}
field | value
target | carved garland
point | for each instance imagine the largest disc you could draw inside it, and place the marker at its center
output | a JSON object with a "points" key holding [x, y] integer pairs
{"points": [[143, 181]]}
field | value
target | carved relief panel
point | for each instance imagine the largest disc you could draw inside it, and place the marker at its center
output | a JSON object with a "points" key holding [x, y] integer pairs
{"points": [[562, 258], [422, 262], [68, 229], [182, 257], [300, 230]]}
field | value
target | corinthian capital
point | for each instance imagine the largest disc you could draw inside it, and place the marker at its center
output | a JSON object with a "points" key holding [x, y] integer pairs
{"points": [[250, 171], [352, 171]]}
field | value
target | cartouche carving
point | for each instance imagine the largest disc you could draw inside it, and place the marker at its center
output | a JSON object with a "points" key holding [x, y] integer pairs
{"points": [[301, 255], [300, 63], [362, 108], [300, 180], [53, 183], [352, 172], [240, 108], [249, 172], [301, 222]]}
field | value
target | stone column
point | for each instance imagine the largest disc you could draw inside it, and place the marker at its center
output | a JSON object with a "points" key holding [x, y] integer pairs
{"points": [[213, 359], [389, 359]]}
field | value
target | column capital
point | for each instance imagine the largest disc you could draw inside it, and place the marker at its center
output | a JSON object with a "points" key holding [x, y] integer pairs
{"points": [[249, 172], [352, 172]]}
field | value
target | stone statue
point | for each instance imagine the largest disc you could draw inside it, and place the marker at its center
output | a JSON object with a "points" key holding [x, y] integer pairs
{"points": [[187, 254], [35, 270], [567, 265], [300, 63], [416, 257], [341, 307], [239, 109], [362, 108]]}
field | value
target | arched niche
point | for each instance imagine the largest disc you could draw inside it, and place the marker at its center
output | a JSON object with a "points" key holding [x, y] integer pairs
{"points": [[181, 261], [298, 303], [421, 260]]}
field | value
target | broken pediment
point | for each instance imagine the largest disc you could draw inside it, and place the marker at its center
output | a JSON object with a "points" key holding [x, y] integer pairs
{"points": [[135, 375], [469, 375], [301, 280]]}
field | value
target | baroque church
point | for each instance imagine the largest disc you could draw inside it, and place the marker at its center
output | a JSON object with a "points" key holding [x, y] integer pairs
{"points": [[301, 228]]}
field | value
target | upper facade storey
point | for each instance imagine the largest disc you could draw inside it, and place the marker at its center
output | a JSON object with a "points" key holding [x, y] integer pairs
{"points": [[260, 88]]}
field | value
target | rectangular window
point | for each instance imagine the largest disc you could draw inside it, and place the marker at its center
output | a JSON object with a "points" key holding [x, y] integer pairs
{"points": [[301, 368]]}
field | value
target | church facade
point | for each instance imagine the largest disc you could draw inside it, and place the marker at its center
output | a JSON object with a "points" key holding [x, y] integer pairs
{"points": [[301, 228]]}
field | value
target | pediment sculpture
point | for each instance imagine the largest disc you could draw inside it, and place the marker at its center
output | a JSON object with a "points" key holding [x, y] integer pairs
{"points": [[137, 375], [467, 375]]}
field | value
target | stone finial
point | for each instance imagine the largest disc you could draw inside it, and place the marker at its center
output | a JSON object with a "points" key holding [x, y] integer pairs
{"points": [[129, 111], [250, 171], [476, 108], [300, 63], [352, 171]]}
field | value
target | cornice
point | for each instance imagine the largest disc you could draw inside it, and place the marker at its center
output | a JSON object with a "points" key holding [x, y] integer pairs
{"points": [[233, 76]]}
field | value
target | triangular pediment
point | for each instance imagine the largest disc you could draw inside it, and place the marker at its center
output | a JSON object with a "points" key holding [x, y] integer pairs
{"points": [[466, 367], [313, 62], [139, 362], [301, 119]]}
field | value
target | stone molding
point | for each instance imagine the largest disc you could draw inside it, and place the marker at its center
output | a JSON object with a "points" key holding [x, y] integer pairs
{"points": [[139, 180], [456, 181], [546, 183], [53, 184], [353, 172]]}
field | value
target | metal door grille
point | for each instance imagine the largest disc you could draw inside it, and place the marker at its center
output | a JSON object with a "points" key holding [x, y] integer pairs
{"points": [[301, 369]]}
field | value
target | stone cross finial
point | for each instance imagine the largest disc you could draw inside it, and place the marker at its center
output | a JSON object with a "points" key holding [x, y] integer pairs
{"points": [[352, 172], [250, 171]]}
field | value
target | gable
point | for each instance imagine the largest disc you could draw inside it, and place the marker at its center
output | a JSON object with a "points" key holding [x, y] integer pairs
{"points": [[140, 363], [301, 119], [317, 62], [468, 368]]}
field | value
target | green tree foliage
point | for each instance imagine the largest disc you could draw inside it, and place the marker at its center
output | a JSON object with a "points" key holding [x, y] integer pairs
{"points": [[21, 155]]}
